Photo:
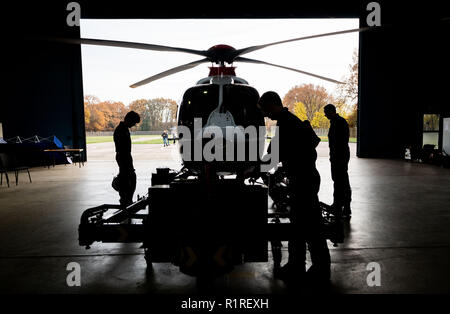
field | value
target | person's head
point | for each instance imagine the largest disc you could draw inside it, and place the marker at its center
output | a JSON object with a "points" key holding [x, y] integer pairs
{"points": [[270, 104], [330, 111], [131, 119]]}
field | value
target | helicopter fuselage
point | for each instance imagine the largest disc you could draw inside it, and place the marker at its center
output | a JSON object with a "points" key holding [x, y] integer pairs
{"points": [[221, 109]]}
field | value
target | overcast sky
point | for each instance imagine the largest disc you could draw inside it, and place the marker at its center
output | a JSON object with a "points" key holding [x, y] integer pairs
{"points": [[109, 71]]}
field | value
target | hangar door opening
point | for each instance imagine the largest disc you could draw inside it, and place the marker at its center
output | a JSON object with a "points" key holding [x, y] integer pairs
{"points": [[108, 73]]}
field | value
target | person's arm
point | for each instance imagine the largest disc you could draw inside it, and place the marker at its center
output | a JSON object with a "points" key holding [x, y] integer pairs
{"points": [[123, 155], [341, 139], [313, 136], [343, 133]]}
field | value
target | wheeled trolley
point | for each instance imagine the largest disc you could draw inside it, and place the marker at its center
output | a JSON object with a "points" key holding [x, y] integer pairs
{"points": [[204, 229]]}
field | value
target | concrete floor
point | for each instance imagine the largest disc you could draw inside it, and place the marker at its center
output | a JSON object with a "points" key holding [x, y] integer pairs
{"points": [[401, 221]]}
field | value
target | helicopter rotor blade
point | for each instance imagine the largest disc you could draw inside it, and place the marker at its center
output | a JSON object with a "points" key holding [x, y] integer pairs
{"points": [[241, 59], [243, 51], [126, 44], [177, 69]]}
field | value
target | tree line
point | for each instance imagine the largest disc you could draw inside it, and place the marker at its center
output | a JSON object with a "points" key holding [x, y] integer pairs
{"points": [[307, 100], [156, 114]]}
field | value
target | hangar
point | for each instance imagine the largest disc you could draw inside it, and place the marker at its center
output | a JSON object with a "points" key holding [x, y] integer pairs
{"points": [[401, 218]]}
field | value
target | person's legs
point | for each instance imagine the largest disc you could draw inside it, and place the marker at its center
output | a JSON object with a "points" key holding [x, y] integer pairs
{"points": [[132, 184], [317, 243], [337, 186], [346, 193], [297, 242], [127, 188], [295, 267], [303, 200], [342, 190], [317, 246]]}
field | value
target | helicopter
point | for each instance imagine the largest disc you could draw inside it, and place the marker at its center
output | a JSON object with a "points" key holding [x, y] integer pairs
{"points": [[221, 97], [217, 219]]}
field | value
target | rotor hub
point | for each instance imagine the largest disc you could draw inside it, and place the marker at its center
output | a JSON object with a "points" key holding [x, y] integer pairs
{"points": [[221, 53]]}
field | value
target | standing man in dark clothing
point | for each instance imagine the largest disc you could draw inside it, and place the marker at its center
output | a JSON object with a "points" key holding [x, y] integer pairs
{"points": [[338, 137], [165, 137], [297, 152], [122, 141]]}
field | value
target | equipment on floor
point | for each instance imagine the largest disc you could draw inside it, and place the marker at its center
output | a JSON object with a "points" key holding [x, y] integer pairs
{"points": [[204, 227]]}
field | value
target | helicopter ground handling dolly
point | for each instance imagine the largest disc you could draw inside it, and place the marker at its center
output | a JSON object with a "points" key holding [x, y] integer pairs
{"points": [[203, 231]]}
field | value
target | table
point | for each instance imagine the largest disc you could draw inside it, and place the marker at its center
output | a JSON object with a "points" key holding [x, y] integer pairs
{"points": [[71, 151]]}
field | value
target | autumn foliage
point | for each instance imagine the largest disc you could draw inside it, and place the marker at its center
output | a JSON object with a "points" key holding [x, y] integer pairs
{"points": [[156, 114], [307, 101]]}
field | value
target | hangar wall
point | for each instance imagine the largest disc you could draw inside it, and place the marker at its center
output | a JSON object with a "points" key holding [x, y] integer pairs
{"points": [[43, 91], [42, 82], [403, 69]]}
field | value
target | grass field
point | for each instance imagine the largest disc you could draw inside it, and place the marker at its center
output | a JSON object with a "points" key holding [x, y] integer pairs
{"points": [[151, 139], [325, 139], [156, 139]]}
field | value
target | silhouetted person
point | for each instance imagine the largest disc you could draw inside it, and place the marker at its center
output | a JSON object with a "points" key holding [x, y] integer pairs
{"points": [[173, 137], [165, 137], [297, 149], [122, 141], [338, 137]]}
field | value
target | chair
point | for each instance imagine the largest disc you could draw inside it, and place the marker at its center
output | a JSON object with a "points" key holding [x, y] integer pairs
{"points": [[10, 163], [79, 156], [3, 171], [75, 156]]}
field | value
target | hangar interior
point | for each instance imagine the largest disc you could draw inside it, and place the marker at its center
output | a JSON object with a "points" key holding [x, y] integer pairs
{"points": [[401, 209]]}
